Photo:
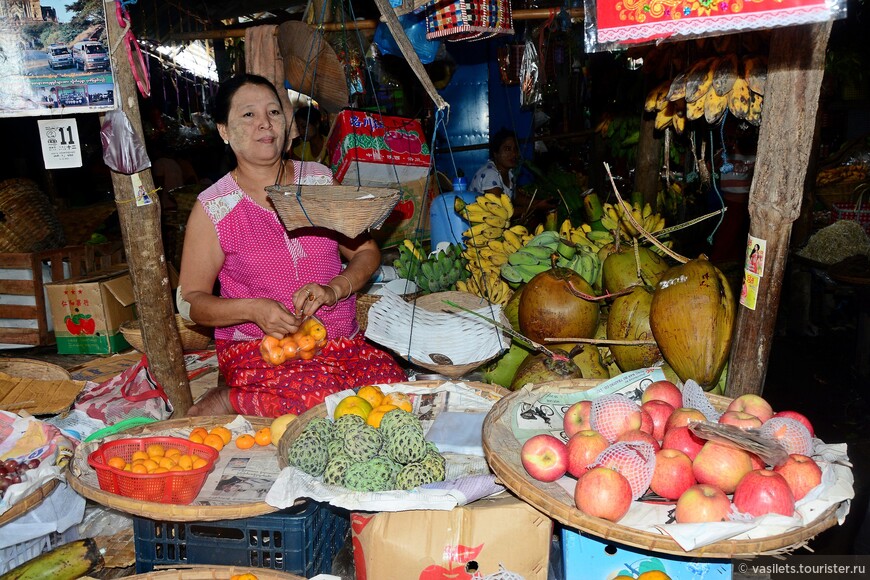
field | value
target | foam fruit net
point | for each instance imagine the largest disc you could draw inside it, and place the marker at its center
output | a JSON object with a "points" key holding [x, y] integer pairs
{"points": [[635, 460], [694, 398], [791, 434], [608, 412]]}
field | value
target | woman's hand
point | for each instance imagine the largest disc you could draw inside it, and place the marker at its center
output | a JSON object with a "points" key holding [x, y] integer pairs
{"points": [[274, 318], [310, 297]]}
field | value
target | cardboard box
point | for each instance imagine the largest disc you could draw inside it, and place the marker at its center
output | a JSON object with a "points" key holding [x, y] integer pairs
{"points": [[585, 556], [376, 150], [87, 312], [468, 541], [410, 218]]}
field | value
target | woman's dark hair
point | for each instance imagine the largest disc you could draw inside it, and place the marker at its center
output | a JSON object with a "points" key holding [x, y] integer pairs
{"points": [[497, 140], [228, 89], [309, 114]]}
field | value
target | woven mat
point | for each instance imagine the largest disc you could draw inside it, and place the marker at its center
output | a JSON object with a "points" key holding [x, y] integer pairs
{"points": [[120, 549]]}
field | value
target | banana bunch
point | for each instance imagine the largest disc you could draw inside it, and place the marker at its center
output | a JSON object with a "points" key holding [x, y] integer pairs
{"points": [[615, 219], [707, 89], [487, 284], [537, 256], [435, 273], [584, 235], [853, 172], [483, 264], [411, 258], [489, 217]]}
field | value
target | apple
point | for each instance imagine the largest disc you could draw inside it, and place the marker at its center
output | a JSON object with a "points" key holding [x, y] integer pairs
{"points": [[646, 422], [801, 473], [752, 404], [764, 492], [583, 448], [577, 418], [702, 503], [740, 419], [659, 411], [757, 462], [663, 391], [790, 434], [797, 417], [603, 493], [682, 416], [721, 465], [673, 474], [633, 459], [683, 439], [545, 457], [638, 435], [614, 414]]}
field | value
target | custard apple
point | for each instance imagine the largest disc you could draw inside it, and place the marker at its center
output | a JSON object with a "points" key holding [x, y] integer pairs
{"points": [[406, 444], [308, 453], [362, 444], [336, 469], [413, 475]]}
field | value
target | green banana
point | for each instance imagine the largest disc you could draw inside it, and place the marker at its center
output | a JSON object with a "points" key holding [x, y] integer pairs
{"points": [[66, 562], [566, 249], [545, 238], [529, 271], [521, 258], [511, 274], [538, 252]]}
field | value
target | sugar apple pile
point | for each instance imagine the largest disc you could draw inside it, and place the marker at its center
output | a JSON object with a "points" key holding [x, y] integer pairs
{"points": [[355, 455]]}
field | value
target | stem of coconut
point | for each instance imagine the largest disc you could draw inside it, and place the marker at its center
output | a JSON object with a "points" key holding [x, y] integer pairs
{"points": [[580, 294], [665, 231], [639, 228]]}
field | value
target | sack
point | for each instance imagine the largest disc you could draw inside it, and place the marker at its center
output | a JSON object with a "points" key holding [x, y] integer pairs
{"points": [[133, 393], [859, 211]]}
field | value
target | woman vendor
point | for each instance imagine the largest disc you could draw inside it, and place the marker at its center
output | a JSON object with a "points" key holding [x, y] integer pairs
{"points": [[496, 176], [270, 281]]}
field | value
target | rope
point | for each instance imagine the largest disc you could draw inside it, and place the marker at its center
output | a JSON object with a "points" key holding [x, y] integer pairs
{"points": [[718, 195]]}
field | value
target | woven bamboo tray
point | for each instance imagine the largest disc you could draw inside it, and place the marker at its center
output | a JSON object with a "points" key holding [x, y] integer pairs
{"points": [[347, 209], [193, 336], [204, 572], [169, 512], [29, 502], [502, 451], [33, 369], [294, 429], [840, 192], [366, 301]]}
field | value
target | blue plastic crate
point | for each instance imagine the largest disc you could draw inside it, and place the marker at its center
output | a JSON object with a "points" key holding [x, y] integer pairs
{"points": [[300, 540]]}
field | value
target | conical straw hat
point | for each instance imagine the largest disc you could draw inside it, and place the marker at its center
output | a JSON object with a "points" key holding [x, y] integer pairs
{"points": [[309, 59]]}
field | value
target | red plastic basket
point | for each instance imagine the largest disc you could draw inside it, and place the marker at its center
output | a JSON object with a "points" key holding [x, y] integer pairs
{"points": [[175, 487]]}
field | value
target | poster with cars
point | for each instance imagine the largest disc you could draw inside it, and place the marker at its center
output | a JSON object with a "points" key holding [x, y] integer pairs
{"points": [[54, 58]]}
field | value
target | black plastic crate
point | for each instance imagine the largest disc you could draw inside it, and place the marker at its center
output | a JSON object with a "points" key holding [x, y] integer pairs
{"points": [[301, 540]]}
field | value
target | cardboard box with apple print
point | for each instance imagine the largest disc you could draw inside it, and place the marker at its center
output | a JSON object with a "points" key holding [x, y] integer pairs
{"points": [[88, 311], [410, 218]]}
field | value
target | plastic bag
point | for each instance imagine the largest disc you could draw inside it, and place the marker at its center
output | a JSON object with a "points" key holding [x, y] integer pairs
{"points": [[415, 30], [123, 150], [530, 87]]}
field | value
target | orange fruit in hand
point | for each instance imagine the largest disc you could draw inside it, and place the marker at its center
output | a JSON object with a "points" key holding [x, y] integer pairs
{"points": [[245, 441], [306, 343], [371, 393], [353, 405], [263, 436], [223, 433], [116, 462], [215, 441], [317, 332], [377, 414], [401, 400]]}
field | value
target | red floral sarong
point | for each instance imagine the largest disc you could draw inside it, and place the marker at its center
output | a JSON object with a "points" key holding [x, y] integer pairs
{"points": [[258, 388]]}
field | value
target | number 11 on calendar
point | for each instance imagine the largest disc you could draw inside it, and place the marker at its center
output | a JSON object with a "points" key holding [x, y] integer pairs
{"points": [[60, 143]]}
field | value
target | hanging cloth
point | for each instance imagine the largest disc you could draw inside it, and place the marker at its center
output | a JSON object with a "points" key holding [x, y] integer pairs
{"points": [[263, 58]]}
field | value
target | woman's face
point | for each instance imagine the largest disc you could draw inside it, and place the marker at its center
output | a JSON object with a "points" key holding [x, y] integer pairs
{"points": [[255, 125], [508, 155]]}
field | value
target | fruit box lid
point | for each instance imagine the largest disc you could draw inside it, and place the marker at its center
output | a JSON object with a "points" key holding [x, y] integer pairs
{"points": [[37, 397]]}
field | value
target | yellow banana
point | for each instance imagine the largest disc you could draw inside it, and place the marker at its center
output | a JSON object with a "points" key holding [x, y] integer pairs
{"points": [[755, 73], [755, 104], [539, 228], [677, 90], [647, 210], [714, 107], [565, 228], [497, 209], [724, 74], [664, 117], [695, 109], [578, 237], [461, 286], [493, 197], [699, 79], [474, 231], [492, 232], [678, 121], [512, 242], [519, 230], [413, 248], [496, 245], [586, 227], [657, 98], [498, 258], [495, 221], [738, 99], [506, 202], [609, 223]]}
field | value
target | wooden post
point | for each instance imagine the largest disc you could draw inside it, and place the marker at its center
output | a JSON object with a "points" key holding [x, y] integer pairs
{"points": [[140, 228], [791, 100], [647, 177]]}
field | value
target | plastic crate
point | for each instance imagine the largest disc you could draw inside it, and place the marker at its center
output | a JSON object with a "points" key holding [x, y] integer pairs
{"points": [[17, 554], [300, 540]]}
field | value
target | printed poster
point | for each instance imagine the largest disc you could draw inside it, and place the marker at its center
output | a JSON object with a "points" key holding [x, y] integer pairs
{"points": [[53, 61], [753, 271]]}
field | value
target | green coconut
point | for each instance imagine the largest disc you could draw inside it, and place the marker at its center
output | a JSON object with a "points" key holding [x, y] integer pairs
{"points": [[628, 319]]}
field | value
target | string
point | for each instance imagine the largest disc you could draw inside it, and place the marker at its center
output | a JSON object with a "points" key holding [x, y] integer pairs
{"points": [[718, 194]]}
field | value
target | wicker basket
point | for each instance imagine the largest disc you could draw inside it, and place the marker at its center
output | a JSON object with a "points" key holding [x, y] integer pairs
{"points": [[193, 336], [33, 369], [365, 301], [841, 192], [79, 223], [347, 209], [29, 221], [209, 572]]}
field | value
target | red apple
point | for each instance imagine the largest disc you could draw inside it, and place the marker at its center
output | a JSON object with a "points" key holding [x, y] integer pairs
{"points": [[790, 434], [673, 474], [797, 417], [682, 416], [801, 473], [757, 462], [545, 457], [583, 448], [702, 503], [764, 492], [752, 404], [646, 422], [603, 493], [740, 419], [721, 465], [612, 415], [663, 391], [659, 411], [684, 440], [577, 418], [638, 435]]}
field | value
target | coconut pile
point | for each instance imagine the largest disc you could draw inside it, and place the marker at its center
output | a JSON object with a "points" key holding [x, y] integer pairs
{"points": [[836, 242]]}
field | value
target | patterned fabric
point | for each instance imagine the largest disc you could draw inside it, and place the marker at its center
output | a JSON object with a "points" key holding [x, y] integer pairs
{"points": [[489, 177], [468, 19], [258, 388]]}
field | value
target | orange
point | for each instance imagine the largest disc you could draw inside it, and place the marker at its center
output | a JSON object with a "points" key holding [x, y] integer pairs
{"points": [[374, 418], [353, 405], [166, 462], [138, 455], [197, 435], [245, 441], [401, 400], [215, 441], [150, 465], [263, 436], [371, 393], [306, 343], [128, 467], [139, 468], [270, 350], [223, 433], [155, 450], [306, 354], [290, 348], [172, 453], [317, 332], [116, 462], [653, 575], [185, 461], [199, 462], [177, 468]]}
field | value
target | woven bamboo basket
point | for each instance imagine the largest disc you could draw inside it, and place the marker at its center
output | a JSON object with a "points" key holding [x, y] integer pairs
{"points": [[29, 221], [29, 502], [502, 451], [88, 487], [80, 222], [841, 192], [193, 336], [347, 209], [33, 369], [365, 301], [207, 572]]}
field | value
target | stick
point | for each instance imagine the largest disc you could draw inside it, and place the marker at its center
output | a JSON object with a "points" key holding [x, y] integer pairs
{"points": [[665, 231], [602, 341]]}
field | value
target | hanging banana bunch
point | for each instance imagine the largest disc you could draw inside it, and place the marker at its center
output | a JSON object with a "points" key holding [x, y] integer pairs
{"points": [[615, 219]]}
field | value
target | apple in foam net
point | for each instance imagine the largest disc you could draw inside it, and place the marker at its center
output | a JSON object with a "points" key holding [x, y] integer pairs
{"points": [[702, 503], [659, 411], [752, 404], [545, 457], [684, 440], [682, 416], [577, 418], [583, 448], [721, 466], [638, 435], [603, 493], [799, 418], [764, 492], [801, 473], [740, 419], [663, 391], [673, 474]]}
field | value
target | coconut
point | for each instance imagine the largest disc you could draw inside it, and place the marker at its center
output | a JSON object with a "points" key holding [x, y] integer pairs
{"points": [[549, 309], [542, 368], [629, 320], [620, 269], [692, 319]]}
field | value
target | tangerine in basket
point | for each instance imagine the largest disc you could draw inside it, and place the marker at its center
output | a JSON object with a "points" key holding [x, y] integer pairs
{"points": [[166, 462], [117, 462], [371, 393], [150, 465], [185, 462], [199, 462], [155, 450], [139, 468], [377, 414], [401, 400], [214, 441], [263, 436], [223, 433], [172, 453], [245, 441], [139, 456]]}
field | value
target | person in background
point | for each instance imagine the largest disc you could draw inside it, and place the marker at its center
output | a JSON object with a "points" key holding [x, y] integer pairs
{"points": [[272, 280], [310, 145], [729, 242], [497, 175]]}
